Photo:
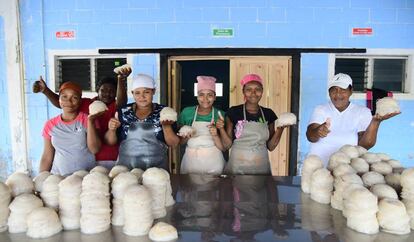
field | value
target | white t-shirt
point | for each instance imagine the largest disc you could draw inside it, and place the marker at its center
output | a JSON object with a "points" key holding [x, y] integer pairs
{"points": [[344, 128]]}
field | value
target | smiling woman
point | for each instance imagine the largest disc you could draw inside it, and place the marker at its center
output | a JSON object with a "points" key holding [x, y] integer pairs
{"points": [[143, 138], [250, 131], [70, 139], [204, 140]]}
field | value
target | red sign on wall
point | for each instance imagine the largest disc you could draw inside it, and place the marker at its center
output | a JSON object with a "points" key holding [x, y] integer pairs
{"points": [[65, 34], [362, 31]]}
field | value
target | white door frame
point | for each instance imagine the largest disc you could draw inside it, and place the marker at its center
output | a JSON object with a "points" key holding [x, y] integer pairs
{"points": [[9, 10]]}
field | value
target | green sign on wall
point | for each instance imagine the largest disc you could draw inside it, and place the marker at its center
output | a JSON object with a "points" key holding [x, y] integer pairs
{"points": [[229, 33]]}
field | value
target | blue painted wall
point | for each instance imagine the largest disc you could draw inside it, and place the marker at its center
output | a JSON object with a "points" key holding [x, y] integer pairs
{"points": [[5, 145], [189, 23]]}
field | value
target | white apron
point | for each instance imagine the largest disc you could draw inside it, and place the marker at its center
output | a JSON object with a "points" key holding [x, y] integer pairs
{"points": [[249, 155], [201, 154]]}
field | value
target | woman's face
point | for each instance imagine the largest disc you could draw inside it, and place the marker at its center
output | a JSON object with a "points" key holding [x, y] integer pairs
{"points": [[69, 100], [340, 97], [107, 93], [143, 96], [253, 92], [206, 98]]}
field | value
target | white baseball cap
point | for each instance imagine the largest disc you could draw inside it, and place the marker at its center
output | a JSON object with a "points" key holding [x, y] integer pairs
{"points": [[143, 80], [340, 80]]}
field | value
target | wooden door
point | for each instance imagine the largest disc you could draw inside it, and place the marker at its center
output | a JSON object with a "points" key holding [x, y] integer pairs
{"points": [[276, 72], [174, 89]]}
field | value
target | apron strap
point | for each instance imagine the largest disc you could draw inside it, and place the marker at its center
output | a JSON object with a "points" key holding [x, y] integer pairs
{"points": [[261, 111], [195, 115]]}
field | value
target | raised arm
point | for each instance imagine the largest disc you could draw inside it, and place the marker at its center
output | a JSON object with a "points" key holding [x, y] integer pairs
{"points": [[40, 86], [110, 135], [368, 138], [226, 132], [274, 136], [121, 90], [47, 157], [216, 138], [92, 138], [316, 131], [171, 138]]}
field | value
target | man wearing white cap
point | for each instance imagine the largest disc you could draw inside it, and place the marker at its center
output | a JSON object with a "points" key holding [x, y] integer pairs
{"points": [[341, 122], [143, 138]]}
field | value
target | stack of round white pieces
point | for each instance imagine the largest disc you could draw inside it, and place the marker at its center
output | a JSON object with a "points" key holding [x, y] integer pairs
{"points": [[119, 185], [384, 191], [97, 107], [169, 200], [360, 165], [50, 191], [347, 190], [116, 170], [407, 194], [5, 197], [155, 179], [372, 177], [186, 131], [138, 173], [137, 210], [382, 167], [361, 150], [39, 179], [343, 169], [394, 180], [387, 105], [394, 163], [350, 150], [371, 158], [310, 165], [43, 223], [321, 186], [81, 173], [361, 207], [95, 204], [392, 216], [20, 207], [338, 158], [118, 69], [100, 169], [314, 216], [285, 119], [383, 156], [69, 201], [340, 183], [163, 232], [168, 114], [20, 183]]}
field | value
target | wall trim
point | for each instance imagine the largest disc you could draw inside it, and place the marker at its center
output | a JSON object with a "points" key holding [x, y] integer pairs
{"points": [[9, 10]]}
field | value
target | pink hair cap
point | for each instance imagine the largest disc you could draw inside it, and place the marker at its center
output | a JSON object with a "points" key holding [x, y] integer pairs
{"points": [[251, 77], [206, 82]]}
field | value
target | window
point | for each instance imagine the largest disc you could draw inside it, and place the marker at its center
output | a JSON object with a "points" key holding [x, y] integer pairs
{"points": [[383, 72], [85, 71]]}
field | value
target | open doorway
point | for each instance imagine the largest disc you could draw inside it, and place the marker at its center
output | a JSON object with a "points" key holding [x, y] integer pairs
{"points": [[220, 69], [276, 71]]}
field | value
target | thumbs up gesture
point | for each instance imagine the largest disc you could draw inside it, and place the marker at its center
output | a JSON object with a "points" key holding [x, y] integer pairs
{"points": [[114, 123], [220, 121], [323, 129], [39, 85]]}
